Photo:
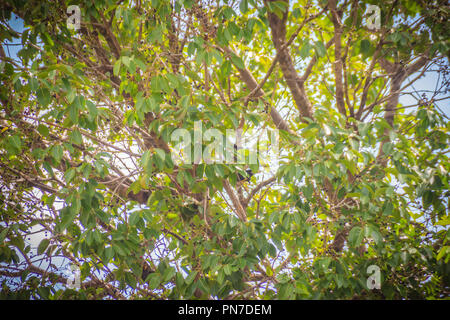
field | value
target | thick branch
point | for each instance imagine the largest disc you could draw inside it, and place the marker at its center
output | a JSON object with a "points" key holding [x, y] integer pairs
{"points": [[338, 57], [256, 189], [251, 83], [278, 28], [398, 73], [236, 203]]}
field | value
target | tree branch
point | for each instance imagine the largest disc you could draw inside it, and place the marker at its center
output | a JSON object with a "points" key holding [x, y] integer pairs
{"points": [[278, 28]]}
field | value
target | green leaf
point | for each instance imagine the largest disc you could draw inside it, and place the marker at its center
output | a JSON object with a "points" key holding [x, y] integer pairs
{"points": [[69, 175], [387, 148], [134, 218], [130, 279], [375, 234], [444, 250], [153, 280], [57, 153], [3, 234], [237, 62], [243, 6], [168, 274], [15, 143], [190, 278], [305, 49], [109, 253], [43, 97], [320, 48], [48, 168], [139, 102], [126, 61], [135, 187], [97, 236], [43, 130], [445, 221], [160, 154], [73, 111], [365, 46], [44, 292], [388, 208], [147, 162], [180, 177], [93, 112], [227, 269], [76, 137], [33, 83], [140, 64], [67, 215], [116, 68], [356, 236], [42, 246]]}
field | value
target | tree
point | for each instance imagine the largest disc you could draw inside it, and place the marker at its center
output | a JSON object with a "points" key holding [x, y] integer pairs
{"points": [[86, 151]]}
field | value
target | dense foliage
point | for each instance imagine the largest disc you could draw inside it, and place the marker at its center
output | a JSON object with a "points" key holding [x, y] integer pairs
{"points": [[87, 176]]}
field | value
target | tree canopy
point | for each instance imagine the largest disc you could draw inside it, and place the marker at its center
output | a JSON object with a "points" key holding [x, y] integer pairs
{"points": [[355, 205]]}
